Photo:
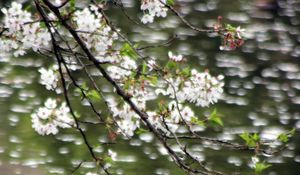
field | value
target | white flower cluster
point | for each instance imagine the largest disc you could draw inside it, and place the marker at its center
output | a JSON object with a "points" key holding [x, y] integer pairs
{"points": [[15, 17], [94, 31], [49, 77], [47, 119], [201, 88], [176, 118], [124, 70], [176, 58], [153, 8], [22, 33], [127, 120]]}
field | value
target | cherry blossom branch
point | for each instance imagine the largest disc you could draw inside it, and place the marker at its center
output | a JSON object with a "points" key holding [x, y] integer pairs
{"points": [[119, 90], [59, 60], [135, 79]]}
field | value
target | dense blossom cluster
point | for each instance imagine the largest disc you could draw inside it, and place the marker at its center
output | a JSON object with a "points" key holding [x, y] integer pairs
{"points": [[49, 77], [22, 32], [94, 31], [127, 65], [127, 120], [153, 8], [139, 84], [176, 115], [201, 88], [47, 119]]}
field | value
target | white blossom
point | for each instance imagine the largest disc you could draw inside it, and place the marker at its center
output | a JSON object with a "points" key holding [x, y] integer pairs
{"points": [[112, 154], [127, 65], [47, 119], [203, 89], [153, 8], [127, 119], [94, 31], [49, 78], [176, 117], [22, 34], [176, 58], [147, 18], [15, 17]]}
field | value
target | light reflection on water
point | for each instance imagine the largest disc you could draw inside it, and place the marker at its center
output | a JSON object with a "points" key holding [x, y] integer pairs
{"points": [[262, 94]]}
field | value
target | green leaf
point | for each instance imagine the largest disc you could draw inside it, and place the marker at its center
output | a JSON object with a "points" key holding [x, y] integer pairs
{"points": [[196, 121], [171, 65], [284, 137], [93, 95], [255, 137], [127, 50], [141, 131], [108, 159], [127, 84], [230, 27], [186, 72], [153, 80], [43, 25], [28, 7], [144, 68], [72, 5], [215, 117], [260, 167], [251, 140], [170, 2], [246, 137]]}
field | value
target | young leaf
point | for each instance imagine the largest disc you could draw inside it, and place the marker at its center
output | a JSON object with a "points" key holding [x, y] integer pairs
{"points": [[260, 167], [141, 131], [196, 121], [72, 5], [186, 72], [250, 140], [170, 2], [127, 50], [153, 80], [215, 117], [144, 69], [171, 65], [284, 137], [93, 95]]}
